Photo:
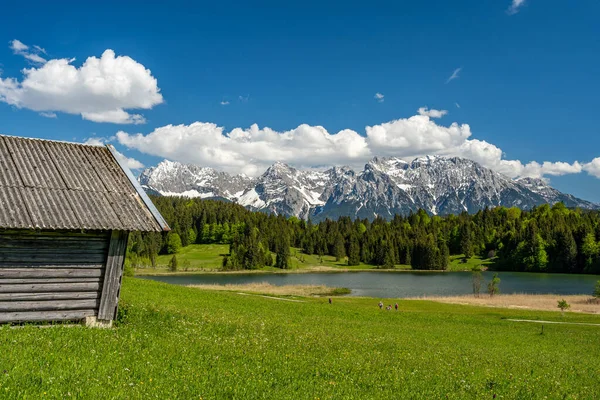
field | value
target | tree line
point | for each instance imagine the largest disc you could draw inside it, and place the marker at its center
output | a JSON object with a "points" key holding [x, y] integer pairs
{"points": [[544, 239]]}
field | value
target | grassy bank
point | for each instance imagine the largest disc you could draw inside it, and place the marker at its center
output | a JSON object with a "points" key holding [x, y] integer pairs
{"points": [[283, 290], [178, 342]]}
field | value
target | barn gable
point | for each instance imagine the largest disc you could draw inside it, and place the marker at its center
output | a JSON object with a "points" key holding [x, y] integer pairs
{"points": [[66, 211]]}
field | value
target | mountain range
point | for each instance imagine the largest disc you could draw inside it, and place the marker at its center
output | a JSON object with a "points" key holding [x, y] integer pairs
{"points": [[385, 187]]}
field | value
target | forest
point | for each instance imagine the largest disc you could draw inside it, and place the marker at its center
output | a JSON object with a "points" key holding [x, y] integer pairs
{"points": [[544, 239]]}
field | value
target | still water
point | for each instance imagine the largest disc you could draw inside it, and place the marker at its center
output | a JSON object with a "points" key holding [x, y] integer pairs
{"points": [[404, 284]]}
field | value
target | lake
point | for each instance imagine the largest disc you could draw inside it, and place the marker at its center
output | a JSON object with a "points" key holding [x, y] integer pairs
{"points": [[404, 284]]}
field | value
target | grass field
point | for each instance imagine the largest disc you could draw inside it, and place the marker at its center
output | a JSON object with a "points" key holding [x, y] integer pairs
{"points": [[457, 264], [198, 257], [178, 342]]}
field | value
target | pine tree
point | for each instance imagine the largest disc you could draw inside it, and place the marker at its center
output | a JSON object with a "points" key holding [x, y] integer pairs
{"points": [[466, 247], [339, 251], [353, 251], [283, 253]]}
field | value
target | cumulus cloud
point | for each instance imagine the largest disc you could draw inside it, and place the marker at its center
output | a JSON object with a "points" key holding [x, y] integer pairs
{"points": [[593, 167], [224, 103], [454, 75], [379, 97], [100, 90], [30, 54], [131, 163], [48, 114], [432, 113], [252, 150], [515, 6]]}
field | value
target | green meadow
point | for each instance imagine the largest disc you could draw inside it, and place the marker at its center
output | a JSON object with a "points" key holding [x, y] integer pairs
{"points": [[177, 342], [208, 258]]}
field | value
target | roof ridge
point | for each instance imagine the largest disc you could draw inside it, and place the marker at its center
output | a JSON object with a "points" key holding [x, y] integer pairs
{"points": [[52, 140]]}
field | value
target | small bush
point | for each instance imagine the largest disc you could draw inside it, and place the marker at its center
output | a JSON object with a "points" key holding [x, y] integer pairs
{"points": [[173, 264], [563, 305], [493, 288], [596, 293]]}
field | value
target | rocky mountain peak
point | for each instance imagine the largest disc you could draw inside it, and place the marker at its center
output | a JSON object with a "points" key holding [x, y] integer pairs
{"points": [[386, 186]]}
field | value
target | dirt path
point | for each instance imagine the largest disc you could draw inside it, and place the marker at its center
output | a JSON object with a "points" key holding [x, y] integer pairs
{"points": [[548, 302], [553, 322]]}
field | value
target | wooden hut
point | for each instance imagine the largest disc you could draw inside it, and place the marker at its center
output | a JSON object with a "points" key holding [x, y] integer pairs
{"points": [[66, 211]]}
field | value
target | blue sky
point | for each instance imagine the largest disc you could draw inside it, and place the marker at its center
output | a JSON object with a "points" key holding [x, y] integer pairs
{"points": [[527, 86]]}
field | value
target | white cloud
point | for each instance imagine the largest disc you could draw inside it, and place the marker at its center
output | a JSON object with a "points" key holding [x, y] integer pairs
{"points": [[17, 46], [593, 167], [454, 75], [515, 6], [244, 99], [48, 114], [252, 150], [95, 141], [100, 90], [457, 105], [432, 113], [39, 49], [379, 97], [22, 49], [118, 116], [224, 103], [131, 163]]}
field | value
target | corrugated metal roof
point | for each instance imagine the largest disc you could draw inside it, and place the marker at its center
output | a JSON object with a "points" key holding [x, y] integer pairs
{"points": [[57, 185]]}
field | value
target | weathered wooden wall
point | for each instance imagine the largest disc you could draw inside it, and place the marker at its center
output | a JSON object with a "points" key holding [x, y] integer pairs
{"points": [[50, 275]]}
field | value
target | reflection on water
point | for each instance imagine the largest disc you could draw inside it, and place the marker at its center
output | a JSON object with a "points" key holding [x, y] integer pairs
{"points": [[404, 284]]}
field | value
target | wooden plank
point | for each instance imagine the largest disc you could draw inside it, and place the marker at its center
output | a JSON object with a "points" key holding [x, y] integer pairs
{"points": [[49, 296], [51, 287], [58, 234], [112, 276], [12, 273], [43, 238], [19, 281], [9, 265], [81, 257], [95, 245], [50, 305], [31, 316]]}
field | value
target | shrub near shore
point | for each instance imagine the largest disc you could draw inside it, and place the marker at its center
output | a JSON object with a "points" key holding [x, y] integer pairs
{"points": [[177, 342]]}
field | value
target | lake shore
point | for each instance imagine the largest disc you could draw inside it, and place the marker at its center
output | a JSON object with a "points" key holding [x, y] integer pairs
{"points": [[316, 269], [284, 290], [545, 302]]}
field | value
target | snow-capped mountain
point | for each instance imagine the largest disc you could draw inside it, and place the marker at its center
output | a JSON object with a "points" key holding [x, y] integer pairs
{"points": [[175, 179], [386, 186]]}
